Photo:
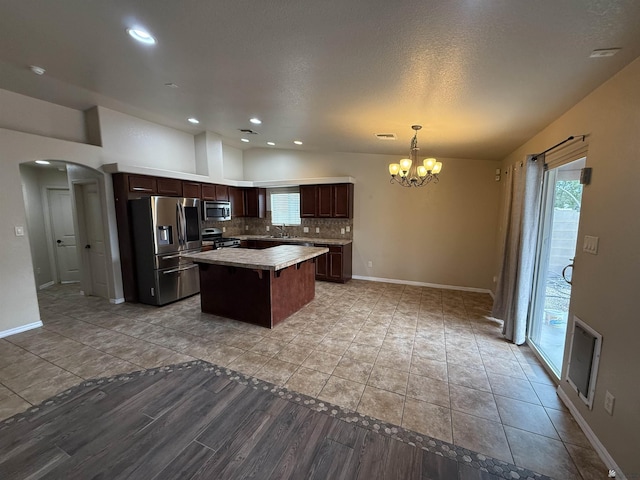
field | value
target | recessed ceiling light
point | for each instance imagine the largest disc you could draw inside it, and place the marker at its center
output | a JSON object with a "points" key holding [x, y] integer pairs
{"points": [[255, 121], [270, 143], [604, 52], [141, 36], [195, 121], [37, 70], [43, 162], [297, 142], [245, 140], [171, 85]]}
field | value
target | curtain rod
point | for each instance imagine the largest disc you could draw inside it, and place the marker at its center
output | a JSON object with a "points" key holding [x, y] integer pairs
{"points": [[535, 157]]}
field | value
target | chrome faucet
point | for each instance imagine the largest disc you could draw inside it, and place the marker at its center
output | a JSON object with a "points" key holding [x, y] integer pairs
{"points": [[283, 232]]}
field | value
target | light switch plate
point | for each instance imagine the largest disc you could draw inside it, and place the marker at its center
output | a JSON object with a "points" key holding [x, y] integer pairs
{"points": [[268, 228], [305, 229], [19, 231], [342, 231], [317, 229], [590, 245], [348, 228]]}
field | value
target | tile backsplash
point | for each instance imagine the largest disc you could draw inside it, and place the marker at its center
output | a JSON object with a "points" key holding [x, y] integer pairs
{"points": [[329, 227]]}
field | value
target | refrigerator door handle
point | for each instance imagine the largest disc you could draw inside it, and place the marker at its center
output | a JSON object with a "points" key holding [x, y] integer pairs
{"points": [[180, 224], [174, 270]]}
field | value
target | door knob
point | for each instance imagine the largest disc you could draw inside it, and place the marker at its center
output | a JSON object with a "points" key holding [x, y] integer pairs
{"points": [[565, 269], [58, 242], [87, 246]]}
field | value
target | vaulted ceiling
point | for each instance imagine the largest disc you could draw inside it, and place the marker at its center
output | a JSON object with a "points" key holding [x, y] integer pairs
{"points": [[481, 76]]}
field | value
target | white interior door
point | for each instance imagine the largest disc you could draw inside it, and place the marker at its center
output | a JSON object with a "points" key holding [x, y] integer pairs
{"points": [[64, 235], [94, 247]]}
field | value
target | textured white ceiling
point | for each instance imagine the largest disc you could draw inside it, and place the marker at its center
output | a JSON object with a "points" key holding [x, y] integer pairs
{"points": [[482, 76]]}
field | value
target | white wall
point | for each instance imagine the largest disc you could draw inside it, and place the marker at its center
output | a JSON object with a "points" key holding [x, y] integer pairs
{"points": [[605, 286], [232, 163], [133, 141], [440, 234]]}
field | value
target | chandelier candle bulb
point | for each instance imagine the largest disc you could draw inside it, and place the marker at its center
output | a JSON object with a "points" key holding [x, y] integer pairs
{"points": [[409, 173]]}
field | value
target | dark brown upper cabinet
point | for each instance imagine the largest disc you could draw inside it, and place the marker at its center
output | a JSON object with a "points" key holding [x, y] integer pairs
{"points": [[326, 201], [308, 201], [222, 192], [140, 183], [191, 189], [236, 197], [169, 186], [208, 191], [255, 202]]}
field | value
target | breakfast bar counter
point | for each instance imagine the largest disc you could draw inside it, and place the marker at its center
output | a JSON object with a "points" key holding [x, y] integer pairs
{"points": [[262, 287]]}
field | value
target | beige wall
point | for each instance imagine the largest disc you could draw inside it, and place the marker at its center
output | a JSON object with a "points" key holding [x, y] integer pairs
{"points": [[26, 114], [605, 286], [440, 234]]}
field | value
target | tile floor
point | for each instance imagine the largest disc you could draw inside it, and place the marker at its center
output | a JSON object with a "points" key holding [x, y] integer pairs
{"points": [[427, 359]]}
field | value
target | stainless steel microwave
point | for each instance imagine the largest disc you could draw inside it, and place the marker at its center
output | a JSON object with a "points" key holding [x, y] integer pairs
{"points": [[218, 210]]}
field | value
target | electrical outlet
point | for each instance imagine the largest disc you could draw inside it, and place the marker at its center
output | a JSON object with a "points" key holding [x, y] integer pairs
{"points": [[317, 229], [224, 229], [246, 227], [342, 231], [370, 264], [348, 228], [268, 228], [305, 229], [609, 401]]}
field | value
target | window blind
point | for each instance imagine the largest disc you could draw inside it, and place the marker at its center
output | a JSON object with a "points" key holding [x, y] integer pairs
{"points": [[285, 208]]}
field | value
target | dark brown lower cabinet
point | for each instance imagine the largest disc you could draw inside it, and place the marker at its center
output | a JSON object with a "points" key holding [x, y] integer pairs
{"points": [[335, 266]]}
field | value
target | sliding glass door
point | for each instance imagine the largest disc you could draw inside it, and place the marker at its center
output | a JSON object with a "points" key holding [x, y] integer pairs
{"points": [[561, 200]]}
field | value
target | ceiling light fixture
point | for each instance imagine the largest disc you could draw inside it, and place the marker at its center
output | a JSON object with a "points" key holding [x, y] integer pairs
{"points": [[408, 173], [255, 121], [271, 143], [245, 140], [43, 162], [195, 121], [37, 70], [141, 36], [297, 142]]}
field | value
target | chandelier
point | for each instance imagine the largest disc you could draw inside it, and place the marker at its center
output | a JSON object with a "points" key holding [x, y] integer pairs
{"points": [[408, 173]]}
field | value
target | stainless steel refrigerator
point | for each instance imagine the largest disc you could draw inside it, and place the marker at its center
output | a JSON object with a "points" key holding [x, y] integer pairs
{"points": [[165, 228]]}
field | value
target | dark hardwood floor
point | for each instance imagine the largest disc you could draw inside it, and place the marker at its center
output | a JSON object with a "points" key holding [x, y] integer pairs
{"points": [[190, 424]]}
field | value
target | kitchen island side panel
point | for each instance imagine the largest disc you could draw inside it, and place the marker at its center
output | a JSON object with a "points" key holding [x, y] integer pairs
{"points": [[292, 290], [259, 297]]}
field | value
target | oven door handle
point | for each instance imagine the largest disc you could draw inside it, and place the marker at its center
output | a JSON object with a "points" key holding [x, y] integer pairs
{"points": [[182, 269]]}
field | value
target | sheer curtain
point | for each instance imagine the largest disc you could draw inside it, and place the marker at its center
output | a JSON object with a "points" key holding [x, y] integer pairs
{"points": [[521, 216]]}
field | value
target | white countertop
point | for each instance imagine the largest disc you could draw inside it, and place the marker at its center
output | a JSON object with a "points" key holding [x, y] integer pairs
{"points": [[274, 258]]}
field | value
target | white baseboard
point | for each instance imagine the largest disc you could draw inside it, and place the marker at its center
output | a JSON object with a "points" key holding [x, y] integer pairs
{"points": [[422, 284], [46, 285], [116, 301], [20, 329], [591, 436]]}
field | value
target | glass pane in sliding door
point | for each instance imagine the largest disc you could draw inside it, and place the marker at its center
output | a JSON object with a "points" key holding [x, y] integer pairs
{"points": [[562, 196]]}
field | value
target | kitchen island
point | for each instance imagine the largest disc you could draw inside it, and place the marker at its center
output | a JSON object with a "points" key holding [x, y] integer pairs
{"points": [[262, 287]]}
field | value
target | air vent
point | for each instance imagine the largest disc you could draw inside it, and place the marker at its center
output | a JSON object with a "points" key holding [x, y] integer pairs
{"points": [[248, 131], [386, 136]]}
